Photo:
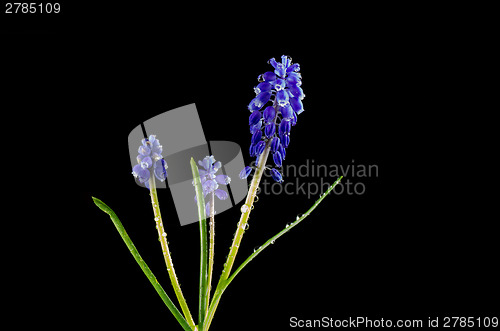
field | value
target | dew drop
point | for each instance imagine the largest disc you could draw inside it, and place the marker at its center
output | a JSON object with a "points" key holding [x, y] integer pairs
{"points": [[260, 78], [256, 249], [247, 226], [287, 225], [244, 209], [164, 234], [272, 242], [298, 216]]}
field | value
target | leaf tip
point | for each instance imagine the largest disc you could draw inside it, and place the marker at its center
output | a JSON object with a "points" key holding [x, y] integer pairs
{"points": [[101, 205]]}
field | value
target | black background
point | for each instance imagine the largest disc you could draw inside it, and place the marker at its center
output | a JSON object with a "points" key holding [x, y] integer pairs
{"points": [[383, 86]]}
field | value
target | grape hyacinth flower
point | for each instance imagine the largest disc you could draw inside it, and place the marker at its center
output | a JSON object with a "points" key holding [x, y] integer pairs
{"points": [[210, 181], [270, 124], [150, 159]]}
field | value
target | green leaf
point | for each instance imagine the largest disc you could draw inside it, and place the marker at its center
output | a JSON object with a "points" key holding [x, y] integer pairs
{"points": [[224, 283], [203, 295], [282, 232], [149, 274]]}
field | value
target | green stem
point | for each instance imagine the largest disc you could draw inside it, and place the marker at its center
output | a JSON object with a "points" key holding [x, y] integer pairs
{"points": [[282, 232], [203, 301], [144, 267], [211, 251], [166, 253], [245, 214], [221, 287]]}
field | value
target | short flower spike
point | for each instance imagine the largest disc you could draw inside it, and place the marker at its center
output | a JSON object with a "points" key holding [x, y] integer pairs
{"points": [[210, 181], [150, 159]]}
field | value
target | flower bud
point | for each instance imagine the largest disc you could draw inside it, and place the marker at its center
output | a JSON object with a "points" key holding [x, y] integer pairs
{"points": [[282, 98], [296, 105], [286, 111], [275, 143], [285, 126], [276, 175], [245, 172], [270, 130], [256, 137], [269, 114], [254, 118], [277, 159]]}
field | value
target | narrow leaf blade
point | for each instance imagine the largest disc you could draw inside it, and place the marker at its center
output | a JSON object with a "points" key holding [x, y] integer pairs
{"points": [[149, 274]]}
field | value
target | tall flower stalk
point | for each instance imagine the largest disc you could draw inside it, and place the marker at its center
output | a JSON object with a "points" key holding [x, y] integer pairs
{"points": [[207, 184], [282, 88], [150, 160], [240, 230], [162, 234]]}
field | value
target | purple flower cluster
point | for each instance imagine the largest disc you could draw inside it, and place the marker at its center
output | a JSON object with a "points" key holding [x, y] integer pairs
{"points": [[270, 125], [210, 181], [150, 159]]}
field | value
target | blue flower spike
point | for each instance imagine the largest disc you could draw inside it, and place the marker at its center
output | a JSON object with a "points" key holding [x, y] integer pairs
{"points": [[150, 159], [210, 181], [274, 112]]}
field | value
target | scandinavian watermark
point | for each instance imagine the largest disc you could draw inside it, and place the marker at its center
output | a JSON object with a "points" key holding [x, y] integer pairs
{"points": [[311, 179]]}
